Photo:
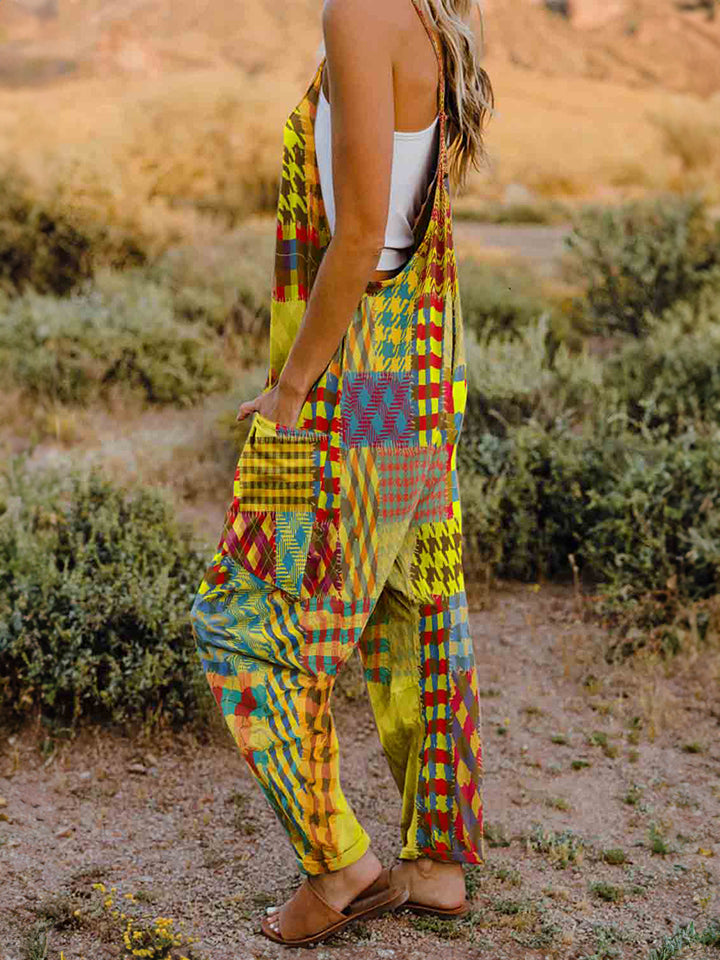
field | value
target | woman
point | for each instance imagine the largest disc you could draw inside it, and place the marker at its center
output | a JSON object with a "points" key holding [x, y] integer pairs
{"points": [[345, 526]]}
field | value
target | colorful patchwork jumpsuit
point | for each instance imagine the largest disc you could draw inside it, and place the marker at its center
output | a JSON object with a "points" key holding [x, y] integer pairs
{"points": [[345, 531]]}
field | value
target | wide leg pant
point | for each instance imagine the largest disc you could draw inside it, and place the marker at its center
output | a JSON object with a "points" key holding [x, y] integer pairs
{"points": [[342, 537]]}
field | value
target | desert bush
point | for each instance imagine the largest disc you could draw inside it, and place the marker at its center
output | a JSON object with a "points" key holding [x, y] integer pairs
{"points": [[692, 136], [531, 377], [671, 379], [95, 587], [656, 521], [161, 159], [529, 505], [635, 510], [39, 246], [225, 284], [120, 330], [545, 504], [639, 259], [498, 302], [519, 211], [47, 246]]}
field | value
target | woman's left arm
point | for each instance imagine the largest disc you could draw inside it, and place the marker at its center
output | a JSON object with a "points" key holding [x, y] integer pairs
{"points": [[360, 62]]}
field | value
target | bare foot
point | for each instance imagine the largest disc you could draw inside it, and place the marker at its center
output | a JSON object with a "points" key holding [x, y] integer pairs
{"points": [[432, 883], [342, 886]]}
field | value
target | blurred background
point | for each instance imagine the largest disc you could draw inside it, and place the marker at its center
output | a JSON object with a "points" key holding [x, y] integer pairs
{"points": [[597, 99], [140, 149]]}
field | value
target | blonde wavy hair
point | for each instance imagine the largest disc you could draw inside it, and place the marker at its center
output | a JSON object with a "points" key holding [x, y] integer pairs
{"points": [[469, 98]]}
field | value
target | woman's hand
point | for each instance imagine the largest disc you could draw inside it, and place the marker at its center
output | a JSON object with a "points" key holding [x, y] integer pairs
{"points": [[279, 405]]}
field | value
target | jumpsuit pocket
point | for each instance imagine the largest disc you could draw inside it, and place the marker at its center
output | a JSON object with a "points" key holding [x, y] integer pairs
{"points": [[275, 502]]}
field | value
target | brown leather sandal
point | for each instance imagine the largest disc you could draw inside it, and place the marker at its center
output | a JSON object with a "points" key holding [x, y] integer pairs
{"points": [[424, 909], [447, 913], [307, 919]]}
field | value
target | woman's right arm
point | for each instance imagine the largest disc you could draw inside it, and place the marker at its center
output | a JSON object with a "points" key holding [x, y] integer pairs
{"points": [[358, 41]]}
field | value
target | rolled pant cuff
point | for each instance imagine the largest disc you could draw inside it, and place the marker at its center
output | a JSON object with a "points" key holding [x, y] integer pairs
{"points": [[314, 867], [470, 858]]}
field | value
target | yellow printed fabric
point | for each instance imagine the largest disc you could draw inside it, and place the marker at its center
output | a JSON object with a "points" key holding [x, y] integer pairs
{"points": [[345, 533]]}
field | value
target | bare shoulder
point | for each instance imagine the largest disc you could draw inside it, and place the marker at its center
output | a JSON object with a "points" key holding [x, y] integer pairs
{"points": [[379, 19]]}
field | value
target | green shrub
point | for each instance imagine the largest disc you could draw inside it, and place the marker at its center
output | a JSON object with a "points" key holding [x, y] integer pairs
{"points": [[498, 303], [511, 382], [118, 330], [46, 247], [39, 247], [225, 284], [641, 258], [657, 521], [685, 935], [529, 502], [95, 588], [532, 211], [672, 378], [711, 934], [637, 512]]}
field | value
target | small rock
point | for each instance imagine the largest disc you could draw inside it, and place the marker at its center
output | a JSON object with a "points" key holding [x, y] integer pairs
{"points": [[64, 832], [137, 768], [151, 759], [3, 802], [85, 775]]}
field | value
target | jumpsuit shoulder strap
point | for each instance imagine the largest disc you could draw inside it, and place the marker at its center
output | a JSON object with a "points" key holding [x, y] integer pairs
{"points": [[438, 54]]}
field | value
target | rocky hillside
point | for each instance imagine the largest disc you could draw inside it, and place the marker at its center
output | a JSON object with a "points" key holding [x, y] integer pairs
{"points": [[637, 42]]}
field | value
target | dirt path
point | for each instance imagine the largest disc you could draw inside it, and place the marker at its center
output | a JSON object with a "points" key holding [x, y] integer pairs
{"points": [[541, 246], [181, 825]]}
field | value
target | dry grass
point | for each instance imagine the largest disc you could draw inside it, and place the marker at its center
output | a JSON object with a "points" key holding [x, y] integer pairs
{"points": [[657, 695], [590, 138], [183, 154], [691, 134], [177, 157]]}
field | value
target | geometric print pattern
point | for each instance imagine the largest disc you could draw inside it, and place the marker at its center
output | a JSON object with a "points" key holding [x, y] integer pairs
{"points": [[251, 537], [435, 800], [437, 563], [323, 565], [344, 532], [400, 473], [435, 505], [377, 409], [376, 654], [467, 773], [358, 530], [394, 330], [360, 341], [428, 373], [460, 648], [277, 472], [292, 545]]}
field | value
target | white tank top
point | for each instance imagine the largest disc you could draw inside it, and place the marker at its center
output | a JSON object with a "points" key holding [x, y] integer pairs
{"points": [[413, 166]]}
